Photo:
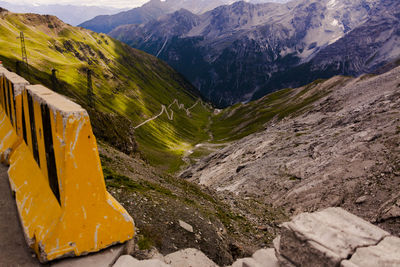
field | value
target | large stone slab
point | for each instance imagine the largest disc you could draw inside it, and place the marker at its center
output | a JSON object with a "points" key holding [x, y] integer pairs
{"points": [[266, 257], [386, 253], [327, 237], [189, 257], [104, 258], [125, 260], [129, 261]]}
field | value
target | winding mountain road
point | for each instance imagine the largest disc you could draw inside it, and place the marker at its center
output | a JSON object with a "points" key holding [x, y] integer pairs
{"points": [[170, 113]]}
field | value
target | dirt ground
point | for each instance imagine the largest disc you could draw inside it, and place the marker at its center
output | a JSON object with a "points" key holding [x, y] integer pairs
{"points": [[13, 248]]}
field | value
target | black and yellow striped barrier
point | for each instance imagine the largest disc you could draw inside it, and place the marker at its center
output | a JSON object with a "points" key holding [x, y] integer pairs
{"points": [[55, 172]]}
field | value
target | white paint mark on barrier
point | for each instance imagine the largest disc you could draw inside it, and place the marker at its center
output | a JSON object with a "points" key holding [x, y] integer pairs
{"points": [[95, 235], [27, 209], [125, 215], [24, 201], [61, 141], [5, 138], [77, 135], [84, 212], [16, 189], [63, 249], [41, 228], [4, 117]]}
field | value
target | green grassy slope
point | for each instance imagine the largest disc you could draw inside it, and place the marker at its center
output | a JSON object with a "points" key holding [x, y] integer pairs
{"points": [[129, 85], [241, 120]]}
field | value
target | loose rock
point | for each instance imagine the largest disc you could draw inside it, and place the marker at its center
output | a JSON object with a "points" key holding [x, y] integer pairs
{"points": [[186, 226], [361, 200], [392, 212]]}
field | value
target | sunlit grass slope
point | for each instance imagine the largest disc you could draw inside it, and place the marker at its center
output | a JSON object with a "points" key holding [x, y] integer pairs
{"points": [[240, 120], [129, 85]]}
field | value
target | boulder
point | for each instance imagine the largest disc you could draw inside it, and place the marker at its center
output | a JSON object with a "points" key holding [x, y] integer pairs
{"points": [[266, 257], [325, 238], [189, 257], [247, 262], [386, 253], [125, 261], [129, 261], [260, 258]]}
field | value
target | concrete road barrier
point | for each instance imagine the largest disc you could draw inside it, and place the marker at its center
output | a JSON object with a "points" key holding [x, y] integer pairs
{"points": [[55, 172]]}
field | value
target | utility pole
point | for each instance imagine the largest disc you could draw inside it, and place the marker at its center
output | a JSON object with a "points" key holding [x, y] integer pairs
{"points": [[54, 81], [18, 67], [90, 94], [23, 51]]}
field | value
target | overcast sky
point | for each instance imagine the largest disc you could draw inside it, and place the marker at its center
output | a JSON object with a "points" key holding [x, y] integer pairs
{"points": [[111, 3]]}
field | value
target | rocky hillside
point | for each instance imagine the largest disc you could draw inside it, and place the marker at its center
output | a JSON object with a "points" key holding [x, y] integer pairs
{"points": [[243, 51], [342, 150], [172, 214], [140, 104], [366, 48]]}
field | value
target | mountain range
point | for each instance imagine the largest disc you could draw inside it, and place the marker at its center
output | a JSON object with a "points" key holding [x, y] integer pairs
{"points": [[153, 10], [72, 14], [239, 52]]}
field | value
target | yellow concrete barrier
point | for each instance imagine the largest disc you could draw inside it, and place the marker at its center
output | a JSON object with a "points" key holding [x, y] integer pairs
{"points": [[11, 87], [56, 174]]}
